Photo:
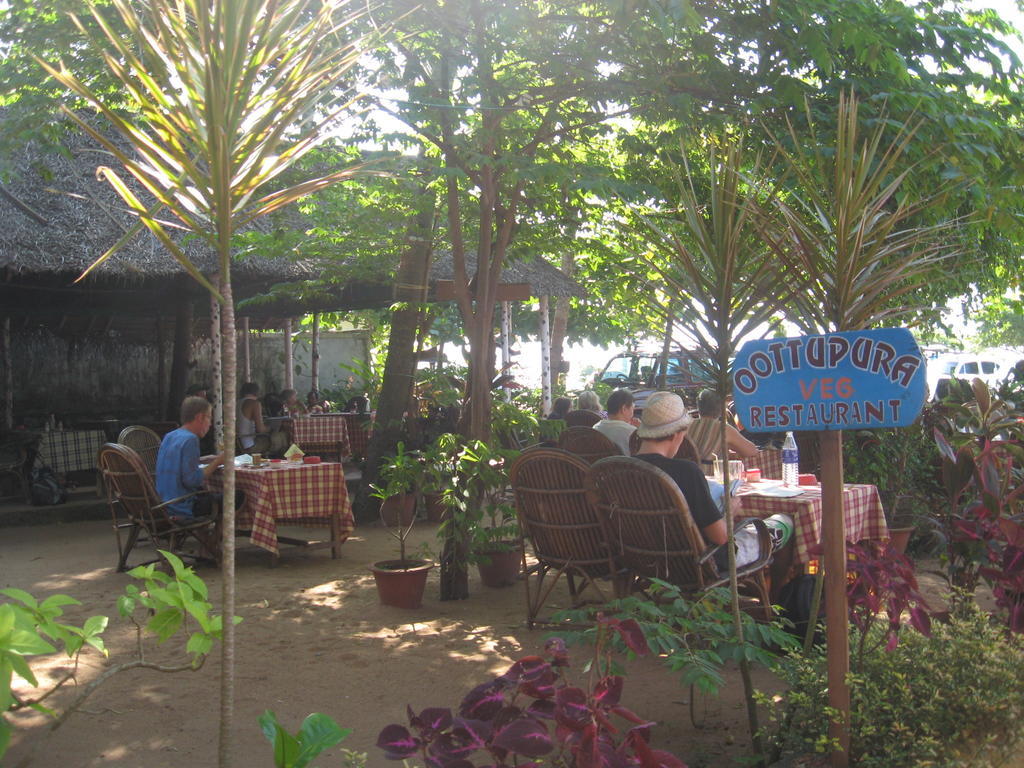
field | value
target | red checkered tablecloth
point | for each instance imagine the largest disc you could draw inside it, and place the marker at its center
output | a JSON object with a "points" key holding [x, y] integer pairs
{"points": [[862, 511], [769, 461], [295, 494], [359, 426], [70, 450], [321, 433]]}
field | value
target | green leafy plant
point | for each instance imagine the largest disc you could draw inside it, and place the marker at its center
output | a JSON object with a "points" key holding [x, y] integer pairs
{"points": [[400, 473], [317, 733], [951, 699], [29, 628], [694, 637]]}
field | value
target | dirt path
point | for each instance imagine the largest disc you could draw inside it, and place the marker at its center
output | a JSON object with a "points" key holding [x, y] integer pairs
{"points": [[313, 639]]}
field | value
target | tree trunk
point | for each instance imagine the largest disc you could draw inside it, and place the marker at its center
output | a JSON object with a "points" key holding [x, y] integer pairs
{"points": [[8, 377], [559, 326], [400, 366], [246, 359], [180, 356], [314, 356], [161, 366], [227, 671], [506, 344], [546, 374], [666, 348], [218, 368], [289, 356]]}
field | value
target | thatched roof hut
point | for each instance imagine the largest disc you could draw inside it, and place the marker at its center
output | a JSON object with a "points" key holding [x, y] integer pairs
{"points": [[59, 218]]}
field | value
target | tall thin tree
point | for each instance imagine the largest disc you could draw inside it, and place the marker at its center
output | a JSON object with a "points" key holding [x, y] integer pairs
{"points": [[228, 94], [723, 285]]}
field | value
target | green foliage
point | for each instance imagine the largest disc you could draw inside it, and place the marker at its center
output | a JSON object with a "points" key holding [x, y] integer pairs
{"points": [[902, 462], [30, 628], [399, 474], [947, 700], [170, 600], [696, 638], [317, 733]]}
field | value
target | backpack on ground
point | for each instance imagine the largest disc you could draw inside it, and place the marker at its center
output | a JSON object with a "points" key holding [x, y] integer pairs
{"points": [[46, 489], [796, 599]]}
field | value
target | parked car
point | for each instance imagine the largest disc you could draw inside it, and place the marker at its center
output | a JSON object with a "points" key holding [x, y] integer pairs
{"points": [[992, 368], [639, 371]]}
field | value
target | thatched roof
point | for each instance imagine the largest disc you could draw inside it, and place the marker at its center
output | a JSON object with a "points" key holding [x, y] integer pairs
{"points": [[59, 218], [543, 278]]}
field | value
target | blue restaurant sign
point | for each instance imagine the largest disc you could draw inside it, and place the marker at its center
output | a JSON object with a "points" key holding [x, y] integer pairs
{"points": [[852, 380]]}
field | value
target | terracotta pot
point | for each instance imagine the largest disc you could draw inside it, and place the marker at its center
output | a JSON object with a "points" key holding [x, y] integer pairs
{"points": [[398, 510], [899, 538], [400, 583], [501, 568], [435, 509]]}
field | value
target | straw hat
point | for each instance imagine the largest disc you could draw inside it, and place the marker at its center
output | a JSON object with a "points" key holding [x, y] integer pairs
{"points": [[664, 415]]}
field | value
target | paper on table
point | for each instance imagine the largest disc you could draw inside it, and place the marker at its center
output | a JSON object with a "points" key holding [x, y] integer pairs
{"points": [[243, 459], [293, 451], [774, 489]]}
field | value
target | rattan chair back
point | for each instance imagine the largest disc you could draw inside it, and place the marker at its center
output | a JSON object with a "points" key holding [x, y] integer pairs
{"points": [[587, 443]]}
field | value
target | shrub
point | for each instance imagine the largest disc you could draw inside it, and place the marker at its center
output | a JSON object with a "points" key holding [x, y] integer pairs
{"points": [[954, 698]]}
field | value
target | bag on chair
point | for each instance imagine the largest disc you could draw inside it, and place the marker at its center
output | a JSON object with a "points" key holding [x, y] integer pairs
{"points": [[46, 490]]}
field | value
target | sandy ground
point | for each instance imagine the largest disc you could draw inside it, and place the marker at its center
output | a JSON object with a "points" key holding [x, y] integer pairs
{"points": [[313, 639]]}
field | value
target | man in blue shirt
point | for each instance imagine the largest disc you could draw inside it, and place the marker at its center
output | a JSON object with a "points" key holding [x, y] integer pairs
{"points": [[177, 464]]}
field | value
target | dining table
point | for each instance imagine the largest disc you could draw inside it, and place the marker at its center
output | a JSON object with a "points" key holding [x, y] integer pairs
{"points": [[322, 434], [70, 450], [291, 493], [862, 512], [768, 460]]}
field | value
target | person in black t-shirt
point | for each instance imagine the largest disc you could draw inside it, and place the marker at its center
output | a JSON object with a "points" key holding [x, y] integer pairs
{"points": [[661, 432]]}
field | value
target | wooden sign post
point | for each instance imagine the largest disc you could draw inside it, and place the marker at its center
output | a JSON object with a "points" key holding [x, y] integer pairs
{"points": [[827, 383]]}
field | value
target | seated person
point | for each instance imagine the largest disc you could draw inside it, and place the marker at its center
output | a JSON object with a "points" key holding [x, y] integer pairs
{"points": [[274, 405], [177, 462], [357, 404], [291, 404], [662, 429], [253, 434], [316, 403], [560, 408], [619, 425], [589, 401], [704, 432]]}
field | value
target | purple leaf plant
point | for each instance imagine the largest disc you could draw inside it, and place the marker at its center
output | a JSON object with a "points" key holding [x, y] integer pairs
{"points": [[532, 716]]}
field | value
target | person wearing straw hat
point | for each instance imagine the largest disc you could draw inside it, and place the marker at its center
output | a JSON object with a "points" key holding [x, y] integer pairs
{"points": [[662, 428]]}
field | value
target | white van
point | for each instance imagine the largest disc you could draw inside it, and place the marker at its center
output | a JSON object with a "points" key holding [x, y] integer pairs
{"points": [[992, 368]]}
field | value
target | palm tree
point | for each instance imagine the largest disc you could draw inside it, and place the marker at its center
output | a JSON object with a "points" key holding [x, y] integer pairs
{"points": [[724, 285], [863, 249], [228, 94]]}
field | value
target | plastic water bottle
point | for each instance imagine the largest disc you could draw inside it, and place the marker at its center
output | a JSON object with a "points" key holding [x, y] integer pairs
{"points": [[790, 461]]}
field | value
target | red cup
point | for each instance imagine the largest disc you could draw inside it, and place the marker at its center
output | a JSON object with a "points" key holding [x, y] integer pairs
{"points": [[807, 479], [753, 475]]}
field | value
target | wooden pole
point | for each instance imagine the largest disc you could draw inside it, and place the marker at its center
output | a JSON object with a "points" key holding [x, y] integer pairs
{"points": [[289, 356], [182, 350], [837, 631], [666, 346], [8, 377], [161, 366], [246, 360], [506, 348], [545, 356], [314, 357], [218, 369]]}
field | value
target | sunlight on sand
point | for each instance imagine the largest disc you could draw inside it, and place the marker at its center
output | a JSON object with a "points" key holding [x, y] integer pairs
{"points": [[67, 582]]}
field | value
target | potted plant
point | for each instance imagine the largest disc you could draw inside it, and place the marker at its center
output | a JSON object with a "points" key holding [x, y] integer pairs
{"points": [[438, 470], [397, 482], [476, 500]]}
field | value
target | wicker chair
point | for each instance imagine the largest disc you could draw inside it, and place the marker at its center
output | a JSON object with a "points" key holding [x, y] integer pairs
{"points": [[135, 508], [145, 442], [580, 418], [13, 460], [652, 535], [555, 514], [686, 449], [587, 443]]}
